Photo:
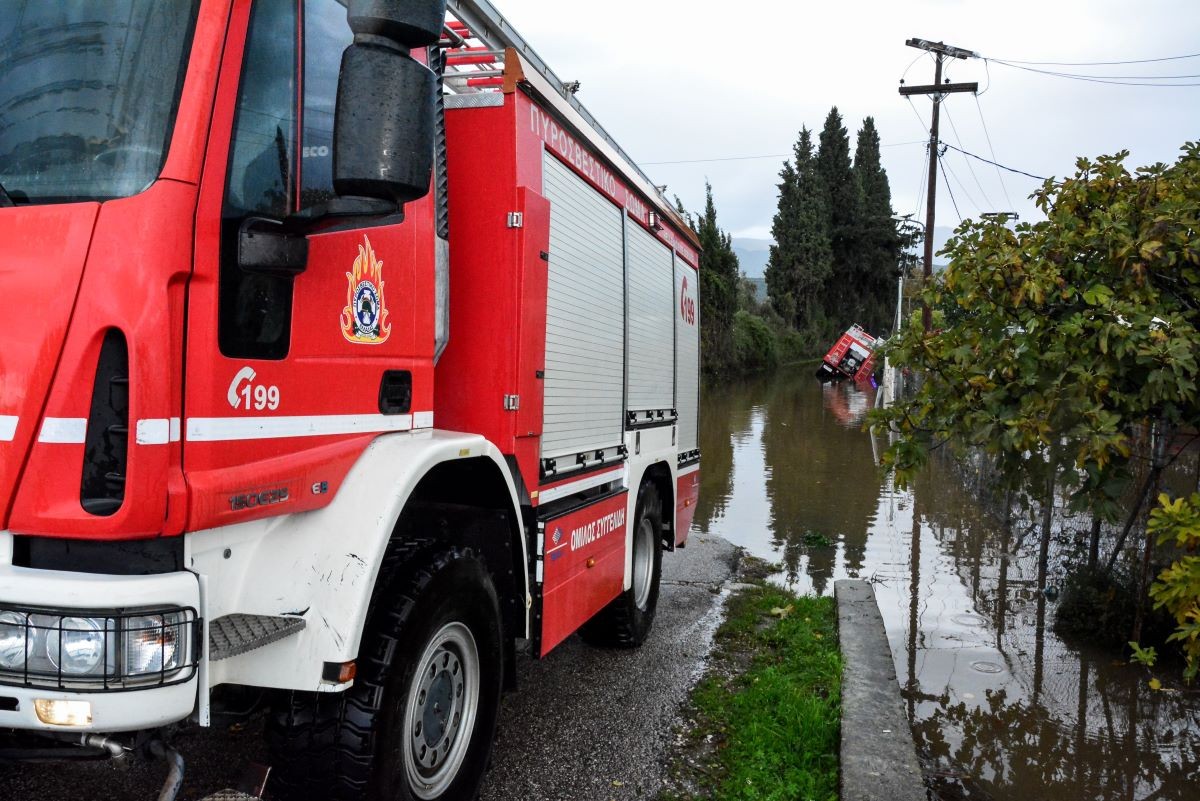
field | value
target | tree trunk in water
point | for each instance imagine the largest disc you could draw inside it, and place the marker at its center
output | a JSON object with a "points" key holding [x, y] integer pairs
{"points": [[1143, 586], [1133, 515], [1043, 563], [1094, 544], [1044, 548]]}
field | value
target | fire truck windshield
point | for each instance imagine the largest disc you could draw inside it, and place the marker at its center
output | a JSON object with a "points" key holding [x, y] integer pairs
{"points": [[89, 95]]}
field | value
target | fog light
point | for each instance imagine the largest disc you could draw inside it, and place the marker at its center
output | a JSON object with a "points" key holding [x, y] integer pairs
{"points": [[56, 712], [16, 644], [152, 644], [76, 646]]}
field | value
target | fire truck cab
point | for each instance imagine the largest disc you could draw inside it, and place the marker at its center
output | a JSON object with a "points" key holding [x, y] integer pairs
{"points": [[346, 358]]}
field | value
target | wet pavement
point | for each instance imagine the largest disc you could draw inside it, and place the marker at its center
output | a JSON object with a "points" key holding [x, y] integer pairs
{"points": [[1001, 707], [598, 724], [584, 723]]}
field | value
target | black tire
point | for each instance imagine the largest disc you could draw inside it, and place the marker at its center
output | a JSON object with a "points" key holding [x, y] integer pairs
{"points": [[440, 614], [626, 621]]}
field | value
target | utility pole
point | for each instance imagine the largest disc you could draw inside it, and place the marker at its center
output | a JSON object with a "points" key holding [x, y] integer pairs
{"points": [[938, 90]]}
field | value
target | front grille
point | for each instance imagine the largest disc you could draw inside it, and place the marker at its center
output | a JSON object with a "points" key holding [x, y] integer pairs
{"points": [[129, 649]]}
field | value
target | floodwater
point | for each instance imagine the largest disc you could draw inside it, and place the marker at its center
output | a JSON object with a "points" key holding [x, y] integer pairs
{"points": [[1001, 707]]}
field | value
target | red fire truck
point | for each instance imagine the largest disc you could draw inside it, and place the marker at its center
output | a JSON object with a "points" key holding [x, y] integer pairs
{"points": [[852, 356], [346, 358]]}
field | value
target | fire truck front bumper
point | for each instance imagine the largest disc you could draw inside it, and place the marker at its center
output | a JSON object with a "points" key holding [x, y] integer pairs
{"points": [[90, 652]]}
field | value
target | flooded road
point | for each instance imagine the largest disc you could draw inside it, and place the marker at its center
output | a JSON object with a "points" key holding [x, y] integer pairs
{"points": [[1001, 707]]}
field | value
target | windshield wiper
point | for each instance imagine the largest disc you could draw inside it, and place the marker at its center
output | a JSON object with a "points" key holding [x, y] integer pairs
{"points": [[5, 199]]}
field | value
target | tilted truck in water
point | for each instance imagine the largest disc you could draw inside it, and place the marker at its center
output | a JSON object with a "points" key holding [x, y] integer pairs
{"points": [[345, 358], [852, 356]]}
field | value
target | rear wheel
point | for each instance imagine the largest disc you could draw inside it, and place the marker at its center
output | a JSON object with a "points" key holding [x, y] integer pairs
{"points": [[626, 621], [418, 723]]}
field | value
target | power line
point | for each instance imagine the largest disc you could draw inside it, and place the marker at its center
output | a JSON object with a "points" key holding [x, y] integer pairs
{"points": [[1091, 78], [970, 167], [723, 158], [921, 186], [911, 64], [1105, 77], [1098, 63], [992, 150], [920, 120], [946, 168], [765, 156], [949, 188], [997, 164], [988, 71]]}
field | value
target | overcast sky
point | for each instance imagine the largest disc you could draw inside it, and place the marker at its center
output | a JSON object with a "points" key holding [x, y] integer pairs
{"points": [[679, 79]]}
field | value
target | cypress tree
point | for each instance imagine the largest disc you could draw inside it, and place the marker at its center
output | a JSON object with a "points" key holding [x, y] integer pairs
{"points": [[841, 207], [800, 262], [781, 270], [718, 288], [878, 245]]}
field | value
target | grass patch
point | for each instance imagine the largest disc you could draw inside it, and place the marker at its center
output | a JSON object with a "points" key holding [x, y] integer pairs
{"points": [[764, 721]]}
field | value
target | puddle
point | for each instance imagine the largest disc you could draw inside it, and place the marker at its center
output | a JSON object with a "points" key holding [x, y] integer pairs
{"points": [[1001, 707]]}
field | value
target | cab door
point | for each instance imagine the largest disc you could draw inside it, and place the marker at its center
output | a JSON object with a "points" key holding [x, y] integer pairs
{"points": [[290, 377]]}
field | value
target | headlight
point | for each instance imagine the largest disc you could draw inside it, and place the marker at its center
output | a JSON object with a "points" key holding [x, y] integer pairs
{"points": [[153, 644], [16, 641], [110, 650], [78, 645]]}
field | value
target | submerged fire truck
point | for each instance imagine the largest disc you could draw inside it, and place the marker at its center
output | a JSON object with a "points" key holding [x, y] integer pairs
{"points": [[852, 356], [345, 358]]}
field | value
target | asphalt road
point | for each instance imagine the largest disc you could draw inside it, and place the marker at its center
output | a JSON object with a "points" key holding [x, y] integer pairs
{"points": [[584, 723]]}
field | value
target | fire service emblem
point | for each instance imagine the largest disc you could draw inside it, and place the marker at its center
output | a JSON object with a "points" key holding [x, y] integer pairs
{"points": [[364, 318]]}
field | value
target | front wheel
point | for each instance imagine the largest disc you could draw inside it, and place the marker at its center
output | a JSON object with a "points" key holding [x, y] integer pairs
{"points": [[440, 707], [418, 723], [626, 621]]}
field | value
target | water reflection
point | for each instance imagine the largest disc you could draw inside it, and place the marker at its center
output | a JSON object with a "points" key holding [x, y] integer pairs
{"points": [[1001, 707]]}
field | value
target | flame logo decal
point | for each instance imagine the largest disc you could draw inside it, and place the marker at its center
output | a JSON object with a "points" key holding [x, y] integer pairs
{"points": [[364, 317]]}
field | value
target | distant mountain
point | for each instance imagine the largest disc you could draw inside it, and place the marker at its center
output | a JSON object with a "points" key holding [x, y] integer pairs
{"points": [[752, 255], [760, 288]]}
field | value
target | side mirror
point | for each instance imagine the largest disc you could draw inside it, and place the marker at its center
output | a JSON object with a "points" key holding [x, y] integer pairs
{"points": [[383, 134], [271, 247], [408, 23]]}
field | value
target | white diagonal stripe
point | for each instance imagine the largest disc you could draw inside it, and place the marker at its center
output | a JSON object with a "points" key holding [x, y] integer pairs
{"points": [[175, 429], [219, 429], [423, 420], [63, 430], [8, 427]]}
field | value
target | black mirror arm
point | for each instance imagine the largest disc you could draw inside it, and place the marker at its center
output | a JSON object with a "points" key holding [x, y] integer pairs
{"points": [[272, 247], [343, 214]]}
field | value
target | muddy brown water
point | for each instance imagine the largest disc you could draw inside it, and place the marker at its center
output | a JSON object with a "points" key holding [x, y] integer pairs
{"points": [[1001, 707]]}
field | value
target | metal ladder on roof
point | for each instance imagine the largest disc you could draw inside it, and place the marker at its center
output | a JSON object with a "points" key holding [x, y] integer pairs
{"points": [[479, 20]]}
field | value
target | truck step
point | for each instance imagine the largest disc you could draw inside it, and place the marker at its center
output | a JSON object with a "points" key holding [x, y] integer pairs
{"points": [[230, 795], [236, 634]]}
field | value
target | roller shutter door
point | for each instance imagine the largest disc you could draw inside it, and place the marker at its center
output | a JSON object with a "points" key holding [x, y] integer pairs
{"points": [[651, 330], [585, 317], [687, 354]]}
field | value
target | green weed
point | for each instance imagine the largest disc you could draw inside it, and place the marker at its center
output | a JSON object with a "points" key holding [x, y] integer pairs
{"points": [[770, 702]]}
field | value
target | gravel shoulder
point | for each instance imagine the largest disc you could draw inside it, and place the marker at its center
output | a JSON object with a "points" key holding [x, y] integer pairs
{"points": [[583, 723]]}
